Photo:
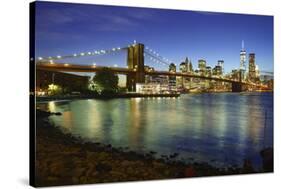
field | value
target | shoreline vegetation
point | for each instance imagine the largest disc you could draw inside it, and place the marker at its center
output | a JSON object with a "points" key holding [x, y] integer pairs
{"points": [[62, 159]]}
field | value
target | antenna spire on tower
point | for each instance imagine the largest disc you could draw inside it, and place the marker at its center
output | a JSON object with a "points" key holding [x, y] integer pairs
{"points": [[243, 44]]}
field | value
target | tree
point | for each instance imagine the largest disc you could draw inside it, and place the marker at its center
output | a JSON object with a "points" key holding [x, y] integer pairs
{"points": [[54, 89], [105, 81]]}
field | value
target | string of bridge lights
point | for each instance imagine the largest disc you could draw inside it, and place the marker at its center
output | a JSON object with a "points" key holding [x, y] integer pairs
{"points": [[153, 55], [82, 54]]}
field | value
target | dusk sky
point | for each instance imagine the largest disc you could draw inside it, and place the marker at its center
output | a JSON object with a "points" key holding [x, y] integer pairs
{"points": [[63, 29]]}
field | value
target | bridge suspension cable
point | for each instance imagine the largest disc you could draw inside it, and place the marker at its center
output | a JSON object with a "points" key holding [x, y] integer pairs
{"points": [[154, 56], [82, 54]]}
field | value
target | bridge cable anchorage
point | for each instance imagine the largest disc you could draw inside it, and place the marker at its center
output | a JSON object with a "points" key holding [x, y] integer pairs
{"points": [[82, 54]]}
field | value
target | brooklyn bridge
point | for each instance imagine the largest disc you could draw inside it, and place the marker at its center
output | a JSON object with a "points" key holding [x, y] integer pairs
{"points": [[135, 69]]}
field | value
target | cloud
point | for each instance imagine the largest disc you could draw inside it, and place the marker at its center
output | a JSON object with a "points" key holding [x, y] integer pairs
{"points": [[116, 23], [96, 18]]}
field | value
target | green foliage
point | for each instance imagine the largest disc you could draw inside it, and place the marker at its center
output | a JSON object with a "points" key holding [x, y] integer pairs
{"points": [[105, 81], [54, 89]]}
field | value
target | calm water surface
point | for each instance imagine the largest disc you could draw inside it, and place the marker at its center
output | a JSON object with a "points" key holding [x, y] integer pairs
{"points": [[221, 129]]}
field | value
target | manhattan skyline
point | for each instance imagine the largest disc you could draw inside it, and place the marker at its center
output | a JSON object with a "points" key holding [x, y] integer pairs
{"points": [[63, 29]]}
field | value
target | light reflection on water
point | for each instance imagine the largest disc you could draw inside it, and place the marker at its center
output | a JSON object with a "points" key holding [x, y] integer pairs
{"points": [[221, 128]]}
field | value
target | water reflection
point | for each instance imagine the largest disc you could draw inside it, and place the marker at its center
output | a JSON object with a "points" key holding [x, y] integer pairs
{"points": [[221, 128]]}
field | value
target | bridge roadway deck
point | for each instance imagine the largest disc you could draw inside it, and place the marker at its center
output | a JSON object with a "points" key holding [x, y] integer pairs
{"points": [[118, 70]]}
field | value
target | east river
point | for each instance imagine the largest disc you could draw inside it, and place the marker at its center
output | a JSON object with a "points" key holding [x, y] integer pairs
{"points": [[219, 128]]}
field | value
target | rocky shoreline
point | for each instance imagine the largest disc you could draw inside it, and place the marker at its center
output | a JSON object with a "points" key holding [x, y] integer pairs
{"points": [[62, 159]]}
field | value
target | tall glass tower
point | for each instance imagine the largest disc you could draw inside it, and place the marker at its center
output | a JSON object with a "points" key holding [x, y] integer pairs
{"points": [[243, 61]]}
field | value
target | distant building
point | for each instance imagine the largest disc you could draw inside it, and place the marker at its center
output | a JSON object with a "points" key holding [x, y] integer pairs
{"points": [[252, 67], [148, 78], [186, 66], [208, 71], [189, 67], [235, 74], [172, 79], [148, 88], [183, 67], [202, 66], [217, 71], [257, 71], [172, 67], [221, 64], [243, 61], [160, 79]]}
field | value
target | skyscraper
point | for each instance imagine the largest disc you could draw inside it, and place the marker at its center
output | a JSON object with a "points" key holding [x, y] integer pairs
{"points": [[252, 67], [221, 64], [184, 66], [243, 61], [189, 67], [172, 79], [172, 67], [202, 66]]}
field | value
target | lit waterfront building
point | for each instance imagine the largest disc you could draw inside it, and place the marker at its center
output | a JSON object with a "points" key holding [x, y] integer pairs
{"points": [[243, 61], [148, 88], [148, 78], [160, 79]]}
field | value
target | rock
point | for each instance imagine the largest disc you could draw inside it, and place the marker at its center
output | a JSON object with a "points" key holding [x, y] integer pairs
{"points": [[75, 180], [174, 155], [125, 163], [56, 168], [58, 113], [103, 168], [248, 167], [79, 171], [190, 172], [267, 159]]}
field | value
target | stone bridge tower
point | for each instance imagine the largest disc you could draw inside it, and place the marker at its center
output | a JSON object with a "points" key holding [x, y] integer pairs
{"points": [[135, 61]]}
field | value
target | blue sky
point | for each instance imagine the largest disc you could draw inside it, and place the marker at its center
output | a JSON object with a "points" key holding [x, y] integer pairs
{"points": [[63, 29]]}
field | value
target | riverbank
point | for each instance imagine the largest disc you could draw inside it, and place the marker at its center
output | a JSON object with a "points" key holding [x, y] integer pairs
{"points": [[62, 159], [105, 96]]}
